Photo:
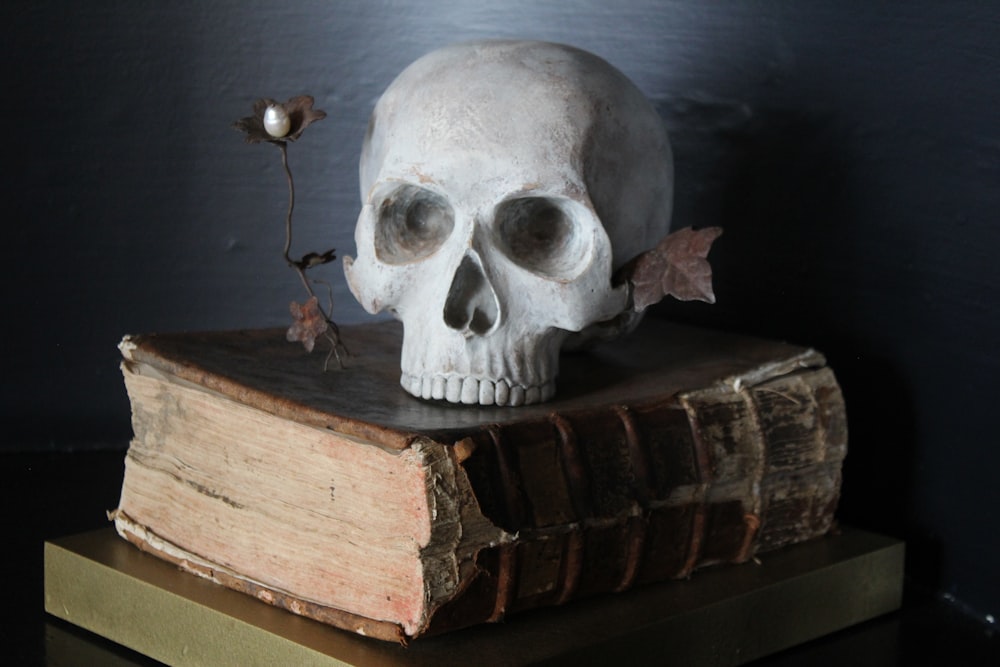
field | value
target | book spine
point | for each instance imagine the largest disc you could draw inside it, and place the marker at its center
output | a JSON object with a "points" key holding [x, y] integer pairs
{"points": [[604, 500]]}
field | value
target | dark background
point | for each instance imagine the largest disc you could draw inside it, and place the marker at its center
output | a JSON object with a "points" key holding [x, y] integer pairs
{"points": [[851, 150]]}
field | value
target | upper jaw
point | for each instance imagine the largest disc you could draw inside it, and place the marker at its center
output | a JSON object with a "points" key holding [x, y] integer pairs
{"points": [[466, 390]]}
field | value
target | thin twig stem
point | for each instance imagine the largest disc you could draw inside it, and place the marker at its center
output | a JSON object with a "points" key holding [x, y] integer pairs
{"points": [[291, 200], [288, 220], [333, 331]]}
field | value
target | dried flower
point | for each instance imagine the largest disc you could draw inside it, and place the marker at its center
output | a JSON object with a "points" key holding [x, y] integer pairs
{"points": [[308, 323], [276, 122]]}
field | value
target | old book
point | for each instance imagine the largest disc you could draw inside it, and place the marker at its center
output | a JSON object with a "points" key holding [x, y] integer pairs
{"points": [[337, 496]]}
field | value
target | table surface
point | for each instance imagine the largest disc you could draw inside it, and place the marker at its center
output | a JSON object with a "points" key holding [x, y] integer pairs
{"points": [[49, 495]]}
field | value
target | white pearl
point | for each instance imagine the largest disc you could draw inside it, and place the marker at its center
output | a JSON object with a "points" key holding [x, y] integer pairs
{"points": [[276, 121]]}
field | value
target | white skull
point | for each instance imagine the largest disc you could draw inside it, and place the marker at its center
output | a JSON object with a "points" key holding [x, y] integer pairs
{"points": [[502, 184]]}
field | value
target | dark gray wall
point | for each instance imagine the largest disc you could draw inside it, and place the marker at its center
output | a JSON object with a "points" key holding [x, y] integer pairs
{"points": [[851, 150]]}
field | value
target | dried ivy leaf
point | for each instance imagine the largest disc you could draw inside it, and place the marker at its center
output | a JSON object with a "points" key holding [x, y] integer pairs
{"points": [[677, 267], [308, 323]]}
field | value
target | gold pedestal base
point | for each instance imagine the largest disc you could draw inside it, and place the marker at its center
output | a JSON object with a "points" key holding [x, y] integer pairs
{"points": [[720, 616]]}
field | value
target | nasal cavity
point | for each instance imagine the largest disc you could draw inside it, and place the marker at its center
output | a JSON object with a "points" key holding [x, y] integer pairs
{"points": [[472, 304]]}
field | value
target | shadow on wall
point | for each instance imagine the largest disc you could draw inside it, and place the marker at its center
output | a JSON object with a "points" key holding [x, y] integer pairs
{"points": [[786, 267], [777, 182]]}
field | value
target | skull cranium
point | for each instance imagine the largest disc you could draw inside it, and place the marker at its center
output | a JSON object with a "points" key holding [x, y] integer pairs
{"points": [[502, 184]]}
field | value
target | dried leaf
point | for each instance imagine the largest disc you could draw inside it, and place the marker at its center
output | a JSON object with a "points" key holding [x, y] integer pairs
{"points": [[677, 267], [312, 259], [308, 323]]}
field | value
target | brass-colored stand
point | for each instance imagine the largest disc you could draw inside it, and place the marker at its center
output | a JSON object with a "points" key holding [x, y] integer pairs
{"points": [[720, 616]]}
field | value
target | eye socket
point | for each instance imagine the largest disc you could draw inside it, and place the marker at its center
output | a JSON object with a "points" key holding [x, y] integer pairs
{"points": [[412, 223], [538, 234]]}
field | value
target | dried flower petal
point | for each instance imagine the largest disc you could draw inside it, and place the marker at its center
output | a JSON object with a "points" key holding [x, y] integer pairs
{"points": [[308, 323], [300, 114]]}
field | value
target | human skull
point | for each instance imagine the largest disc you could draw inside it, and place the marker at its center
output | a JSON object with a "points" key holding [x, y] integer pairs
{"points": [[502, 184]]}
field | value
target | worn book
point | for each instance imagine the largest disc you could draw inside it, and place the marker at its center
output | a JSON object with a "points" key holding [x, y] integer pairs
{"points": [[336, 495]]}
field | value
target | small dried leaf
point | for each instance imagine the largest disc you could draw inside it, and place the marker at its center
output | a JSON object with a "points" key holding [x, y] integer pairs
{"points": [[308, 323], [312, 259], [677, 267]]}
